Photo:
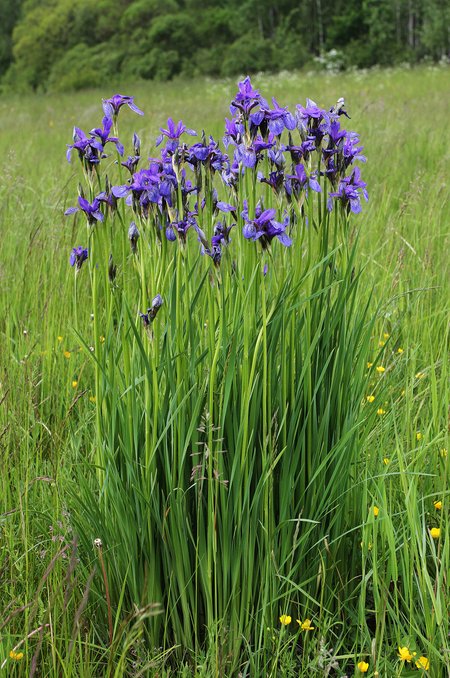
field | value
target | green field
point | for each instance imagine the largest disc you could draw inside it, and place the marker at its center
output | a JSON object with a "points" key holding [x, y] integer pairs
{"points": [[371, 581]]}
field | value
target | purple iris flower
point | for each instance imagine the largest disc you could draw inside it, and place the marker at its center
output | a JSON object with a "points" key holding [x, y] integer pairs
{"points": [[209, 155], [302, 151], [78, 256], [148, 318], [112, 106], [221, 206], [88, 148], [132, 161], [107, 196], [301, 181], [349, 192], [276, 156], [275, 120], [170, 232], [245, 155], [92, 211], [187, 186], [264, 227], [133, 236], [280, 116], [136, 144], [309, 116], [351, 151], [275, 180], [198, 153], [318, 133], [173, 134], [103, 135], [259, 144], [234, 131], [332, 171], [145, 180], [221, 234], [180, 228], [145, 187], [246, 98], [342, 149], [335, 133], [249, 156], [214, 250], [333, 151], [230, 174]]}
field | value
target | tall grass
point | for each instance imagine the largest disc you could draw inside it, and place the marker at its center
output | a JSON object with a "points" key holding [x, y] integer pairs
{"points": [[245, 478]]}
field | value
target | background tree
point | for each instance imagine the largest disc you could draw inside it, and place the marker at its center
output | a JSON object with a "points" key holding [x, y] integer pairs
{"points": [[60, 44]]}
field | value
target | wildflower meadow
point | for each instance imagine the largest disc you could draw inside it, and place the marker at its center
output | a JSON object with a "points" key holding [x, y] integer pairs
{"points": [[224, 401]]}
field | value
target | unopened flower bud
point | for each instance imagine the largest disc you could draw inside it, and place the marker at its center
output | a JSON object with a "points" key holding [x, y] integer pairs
{"points": [[133, 236]]}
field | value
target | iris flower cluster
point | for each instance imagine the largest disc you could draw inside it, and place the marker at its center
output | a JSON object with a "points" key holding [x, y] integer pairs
{"points": [[256, 181]]}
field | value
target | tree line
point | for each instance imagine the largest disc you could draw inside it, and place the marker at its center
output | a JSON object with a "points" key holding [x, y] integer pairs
{"points": [[61, 44]]}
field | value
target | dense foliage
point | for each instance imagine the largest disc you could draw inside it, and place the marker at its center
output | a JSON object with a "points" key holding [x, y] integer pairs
{"points": [[58, 44]]}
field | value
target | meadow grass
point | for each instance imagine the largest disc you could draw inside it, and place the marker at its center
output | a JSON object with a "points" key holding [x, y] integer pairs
{"points": [[377, 582]]}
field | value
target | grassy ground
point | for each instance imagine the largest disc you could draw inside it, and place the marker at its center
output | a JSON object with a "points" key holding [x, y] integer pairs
{"points": [[401, 598]]}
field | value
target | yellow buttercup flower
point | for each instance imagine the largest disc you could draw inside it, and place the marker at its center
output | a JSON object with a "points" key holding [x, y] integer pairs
{"points": [[380, 411], [102, 339], [419, 435], [66, 354], [305, 625], [369, 365], [435, 532], [363, 667], [420, 375], [370, 398], [386, 335], [404, 654], [380, 369], [386, 461], [376, 511], [437, 505], [423, 663], [399, 350], [381, 344], [60, 338], [17, 656], [285, 619], [74, 384]]}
